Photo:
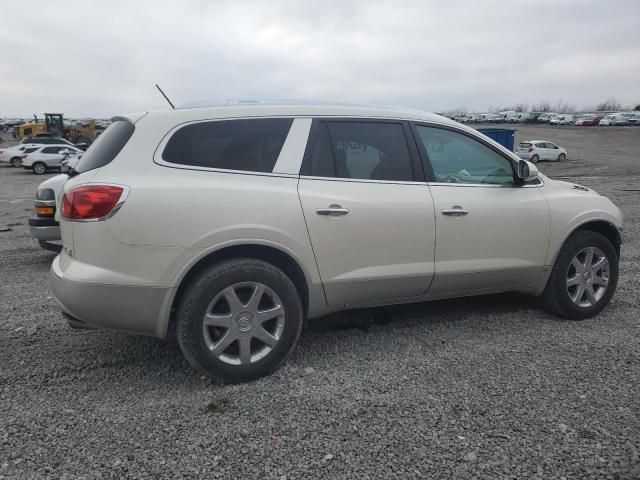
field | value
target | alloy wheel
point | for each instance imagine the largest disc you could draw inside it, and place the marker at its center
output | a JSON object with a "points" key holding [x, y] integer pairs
{"points": [[588, 277], [243, 323]]}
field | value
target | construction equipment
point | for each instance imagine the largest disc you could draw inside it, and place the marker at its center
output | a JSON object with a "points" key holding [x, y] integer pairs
{"points": [[53, 126]]}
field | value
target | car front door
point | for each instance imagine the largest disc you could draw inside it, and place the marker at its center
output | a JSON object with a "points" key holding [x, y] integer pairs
{"points": [[552, 151], [492, 234], [368, 211], [542, 151]]}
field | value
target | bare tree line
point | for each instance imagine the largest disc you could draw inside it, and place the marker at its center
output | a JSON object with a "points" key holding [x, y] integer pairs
{"points": [[609, 105]]}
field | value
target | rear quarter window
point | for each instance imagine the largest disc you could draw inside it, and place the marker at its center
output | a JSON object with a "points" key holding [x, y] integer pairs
{"points": [[246, 144], [107, 146]]}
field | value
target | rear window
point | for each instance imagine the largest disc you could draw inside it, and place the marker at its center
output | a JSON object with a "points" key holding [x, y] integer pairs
{"points": [[107, 146], [525, 145], [248, 145]]}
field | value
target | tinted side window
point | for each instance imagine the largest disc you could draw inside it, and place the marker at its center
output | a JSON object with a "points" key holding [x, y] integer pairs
{"points": [[249, 145], [457, 158], [107, 146], [50, 150], [361, 150], [320, 162]]}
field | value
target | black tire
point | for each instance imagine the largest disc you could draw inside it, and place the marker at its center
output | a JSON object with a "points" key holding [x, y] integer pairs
{"points": [[201, 292], [556, 298], [39, 168], [16, 161], [534, 159], [562, 157]]}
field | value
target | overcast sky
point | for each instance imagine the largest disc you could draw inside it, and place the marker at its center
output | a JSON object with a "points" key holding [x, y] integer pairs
{"points": [[90, 58]]}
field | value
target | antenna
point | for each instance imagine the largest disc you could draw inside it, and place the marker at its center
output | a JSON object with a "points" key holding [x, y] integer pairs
{"points": [[165, 97]]}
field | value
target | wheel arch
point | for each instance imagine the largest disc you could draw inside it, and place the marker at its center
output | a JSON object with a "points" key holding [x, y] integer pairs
{"points": [[277, 257], [601, 226]]}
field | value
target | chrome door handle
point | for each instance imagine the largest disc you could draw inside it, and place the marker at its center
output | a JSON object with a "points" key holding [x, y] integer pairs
{"points": [[456, 211], [332, 211]]}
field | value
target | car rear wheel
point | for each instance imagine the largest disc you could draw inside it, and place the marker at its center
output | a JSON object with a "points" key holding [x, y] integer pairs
{"points": [[39, 168], [534, 159], [16, 161], [583, 278], [562, 157], [239, 320]]}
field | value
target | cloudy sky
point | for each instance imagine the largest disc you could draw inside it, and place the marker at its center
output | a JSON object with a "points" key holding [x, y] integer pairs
{"points": [[102, 58]]}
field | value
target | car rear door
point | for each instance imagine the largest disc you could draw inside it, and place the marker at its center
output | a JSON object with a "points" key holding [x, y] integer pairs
{"points": [[491, 233], [51, 156], [368, 211]]}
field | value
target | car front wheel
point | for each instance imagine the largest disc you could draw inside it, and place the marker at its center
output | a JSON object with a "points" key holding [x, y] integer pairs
{"points": [[239, 320], [562, 157], [16, 161], [583, 278]]}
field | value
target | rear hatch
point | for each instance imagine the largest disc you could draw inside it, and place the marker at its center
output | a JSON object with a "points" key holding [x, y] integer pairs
{"points": [[524, 146], [101, 152]]}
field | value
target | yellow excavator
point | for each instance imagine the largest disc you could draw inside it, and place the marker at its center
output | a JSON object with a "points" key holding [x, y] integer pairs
{"points": [[53, 126]]}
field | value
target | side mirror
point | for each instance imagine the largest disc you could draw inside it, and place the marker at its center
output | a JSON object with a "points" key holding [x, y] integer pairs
{"points": [[526, 170]]}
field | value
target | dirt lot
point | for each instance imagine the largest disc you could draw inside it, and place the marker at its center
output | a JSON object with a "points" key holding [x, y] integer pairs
{"points": [[487, 387]]}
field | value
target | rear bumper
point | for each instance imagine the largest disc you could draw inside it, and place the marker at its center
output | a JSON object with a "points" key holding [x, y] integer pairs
{"points": [[131, 309], [45, 229]]}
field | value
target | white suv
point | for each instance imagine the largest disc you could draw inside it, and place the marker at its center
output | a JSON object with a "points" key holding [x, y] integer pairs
{"points": [[233, 224]]}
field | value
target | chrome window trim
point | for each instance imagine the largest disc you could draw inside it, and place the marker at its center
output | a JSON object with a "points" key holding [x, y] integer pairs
{"points": [[430, 184], [485, 185], [360, 180]]}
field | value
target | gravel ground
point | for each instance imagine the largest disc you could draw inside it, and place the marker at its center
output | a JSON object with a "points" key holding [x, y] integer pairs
{"points": [[486, 387]]}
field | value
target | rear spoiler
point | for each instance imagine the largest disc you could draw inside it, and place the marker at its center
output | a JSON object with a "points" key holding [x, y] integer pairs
{"points": [[130, 117]]}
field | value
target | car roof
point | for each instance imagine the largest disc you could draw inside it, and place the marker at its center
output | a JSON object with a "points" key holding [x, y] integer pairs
{"points": [[534, 141], [269, 108]]}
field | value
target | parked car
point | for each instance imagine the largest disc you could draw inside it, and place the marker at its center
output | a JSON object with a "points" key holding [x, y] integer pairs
{"points": [[13, 155], [519, 117], [508, 115], [47, 157], [44, 224], [589, 120], [494, 118], [561, 120], [234, 224], [532, 118], [621, 119], [546, 117], [607, 120], [635, 119], [472, 118], [535, 150]]}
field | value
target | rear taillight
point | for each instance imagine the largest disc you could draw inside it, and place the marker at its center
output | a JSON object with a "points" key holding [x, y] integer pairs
{"points": [[530, 149], [92, 202]]}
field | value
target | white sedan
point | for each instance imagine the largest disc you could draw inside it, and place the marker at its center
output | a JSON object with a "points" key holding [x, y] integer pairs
{"points": [[47, 157], [534, 150], [13, 155]]}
